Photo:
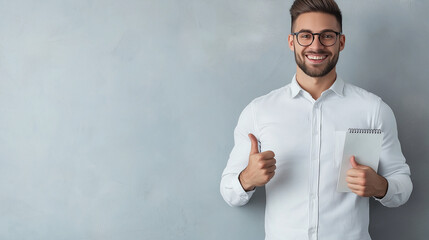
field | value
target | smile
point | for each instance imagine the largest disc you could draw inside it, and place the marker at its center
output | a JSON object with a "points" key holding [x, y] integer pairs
{"points": [[316, 58]]}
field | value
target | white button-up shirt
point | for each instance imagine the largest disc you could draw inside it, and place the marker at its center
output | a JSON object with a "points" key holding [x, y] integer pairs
{"points": [[301, 199]]}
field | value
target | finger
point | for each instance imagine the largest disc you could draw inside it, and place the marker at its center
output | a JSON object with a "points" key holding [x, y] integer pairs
{"points": [[353, 172], [358, 190], [353, 180], [254, 144], [268, 154], [272, 174], [354, 187], [269, 162], [264, 164], [271, 169], [357, 165], [353, 162]]}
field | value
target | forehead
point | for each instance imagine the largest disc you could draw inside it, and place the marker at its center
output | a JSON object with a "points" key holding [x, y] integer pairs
{"points": [[316, 22]]}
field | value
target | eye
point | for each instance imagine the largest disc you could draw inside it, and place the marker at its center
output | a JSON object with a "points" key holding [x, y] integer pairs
{"points": [[328, 35], [305, 35]]}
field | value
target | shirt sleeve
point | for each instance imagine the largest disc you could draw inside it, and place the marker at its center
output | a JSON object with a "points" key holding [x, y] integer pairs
{"points": [[230, 187], [392, 164]]}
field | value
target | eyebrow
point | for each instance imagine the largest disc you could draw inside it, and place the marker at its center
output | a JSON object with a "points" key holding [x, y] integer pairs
{"points": [[326, 29]]}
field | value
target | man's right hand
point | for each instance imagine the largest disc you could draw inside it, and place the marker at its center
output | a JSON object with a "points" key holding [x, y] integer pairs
{"points": [[260, 169]]}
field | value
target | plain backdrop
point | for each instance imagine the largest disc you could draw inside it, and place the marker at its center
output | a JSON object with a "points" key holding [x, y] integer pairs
{"points": [[117, 117]]}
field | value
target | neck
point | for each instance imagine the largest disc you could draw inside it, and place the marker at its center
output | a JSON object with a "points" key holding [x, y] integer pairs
{"points": [[315, 85]]}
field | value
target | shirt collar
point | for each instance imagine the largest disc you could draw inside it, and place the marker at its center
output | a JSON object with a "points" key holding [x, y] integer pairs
{"points": [[294, 87], [337, 87]]}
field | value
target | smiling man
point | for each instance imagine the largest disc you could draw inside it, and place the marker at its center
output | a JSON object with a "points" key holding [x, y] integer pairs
{"points": [[285, 141]]}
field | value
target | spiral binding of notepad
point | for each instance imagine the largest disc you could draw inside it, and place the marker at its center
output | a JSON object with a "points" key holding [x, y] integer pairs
{"points": [[360, 130]]}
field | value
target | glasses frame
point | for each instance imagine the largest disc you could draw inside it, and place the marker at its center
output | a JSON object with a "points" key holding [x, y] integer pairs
{"points": [[313, 34]]}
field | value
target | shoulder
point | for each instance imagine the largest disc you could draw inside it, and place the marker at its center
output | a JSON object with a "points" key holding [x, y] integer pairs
{"points": [[264, 100], [364, 99], [360, 94], [272, 97]]}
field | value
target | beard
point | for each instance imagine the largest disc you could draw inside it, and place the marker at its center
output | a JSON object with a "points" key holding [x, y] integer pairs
{"points": [[316, 72]]}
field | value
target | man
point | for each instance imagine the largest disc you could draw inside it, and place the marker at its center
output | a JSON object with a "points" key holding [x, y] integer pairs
{"points": [[295, 127]]}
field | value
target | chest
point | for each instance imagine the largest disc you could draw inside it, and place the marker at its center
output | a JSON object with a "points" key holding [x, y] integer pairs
{"points": [[293, 131]]}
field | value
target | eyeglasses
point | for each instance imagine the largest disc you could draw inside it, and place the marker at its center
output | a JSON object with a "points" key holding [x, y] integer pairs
{"points": [[326, 38]]}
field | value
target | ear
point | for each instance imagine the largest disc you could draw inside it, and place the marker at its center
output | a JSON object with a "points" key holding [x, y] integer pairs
{"points": [[342, 42], [290, 42]]}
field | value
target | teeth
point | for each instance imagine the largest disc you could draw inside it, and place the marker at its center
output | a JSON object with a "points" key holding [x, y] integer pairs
{"points": [[316, 57]]}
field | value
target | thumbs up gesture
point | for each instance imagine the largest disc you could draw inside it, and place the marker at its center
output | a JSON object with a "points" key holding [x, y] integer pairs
{"points": [[260, 168], [364, 181]]}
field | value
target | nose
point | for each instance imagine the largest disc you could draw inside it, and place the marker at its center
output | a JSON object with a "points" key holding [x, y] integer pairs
{"points": [[316, 43]]}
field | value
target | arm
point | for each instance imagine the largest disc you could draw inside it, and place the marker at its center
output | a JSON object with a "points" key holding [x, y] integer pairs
{"points": [[392, 185], [392, 162], [246, 167]]}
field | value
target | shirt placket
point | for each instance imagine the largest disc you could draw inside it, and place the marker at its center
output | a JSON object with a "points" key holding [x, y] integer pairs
{"points": [[314, 172]]}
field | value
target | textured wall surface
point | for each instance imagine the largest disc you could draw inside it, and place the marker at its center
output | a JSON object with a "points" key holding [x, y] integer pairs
{"points": [[117, 117]]}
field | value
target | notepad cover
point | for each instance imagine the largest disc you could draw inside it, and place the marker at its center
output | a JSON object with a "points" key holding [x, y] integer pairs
{"points": [[366, 148]]}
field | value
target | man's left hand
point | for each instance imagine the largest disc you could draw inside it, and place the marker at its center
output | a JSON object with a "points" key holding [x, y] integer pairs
{"points": [[364, 181]]}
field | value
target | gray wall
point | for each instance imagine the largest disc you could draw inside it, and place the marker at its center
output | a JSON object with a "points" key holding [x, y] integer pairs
{"points": [[117, 117]]}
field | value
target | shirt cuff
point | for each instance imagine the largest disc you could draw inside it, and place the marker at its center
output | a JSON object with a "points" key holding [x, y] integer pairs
{"points": [[236, 185]]}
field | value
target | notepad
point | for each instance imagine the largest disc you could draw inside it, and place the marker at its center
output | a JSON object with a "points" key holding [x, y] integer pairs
{"points": [[364, 144]]}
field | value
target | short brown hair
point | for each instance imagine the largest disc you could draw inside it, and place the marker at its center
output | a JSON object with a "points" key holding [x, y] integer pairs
{"points": [[324, 6]]}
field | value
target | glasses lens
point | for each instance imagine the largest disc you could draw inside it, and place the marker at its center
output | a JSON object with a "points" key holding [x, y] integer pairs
{"points": [[305, 38], [328, 38]]}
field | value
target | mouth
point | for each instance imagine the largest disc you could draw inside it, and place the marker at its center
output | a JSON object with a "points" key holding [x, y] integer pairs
{"points": [[316, 58]]}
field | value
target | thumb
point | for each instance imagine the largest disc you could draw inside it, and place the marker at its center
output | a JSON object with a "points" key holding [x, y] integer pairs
{"points": [[353, 162], [254, 144]]}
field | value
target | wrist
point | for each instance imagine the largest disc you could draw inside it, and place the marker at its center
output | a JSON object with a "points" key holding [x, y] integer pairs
{"points": [[243, 181], [383, 188]]}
